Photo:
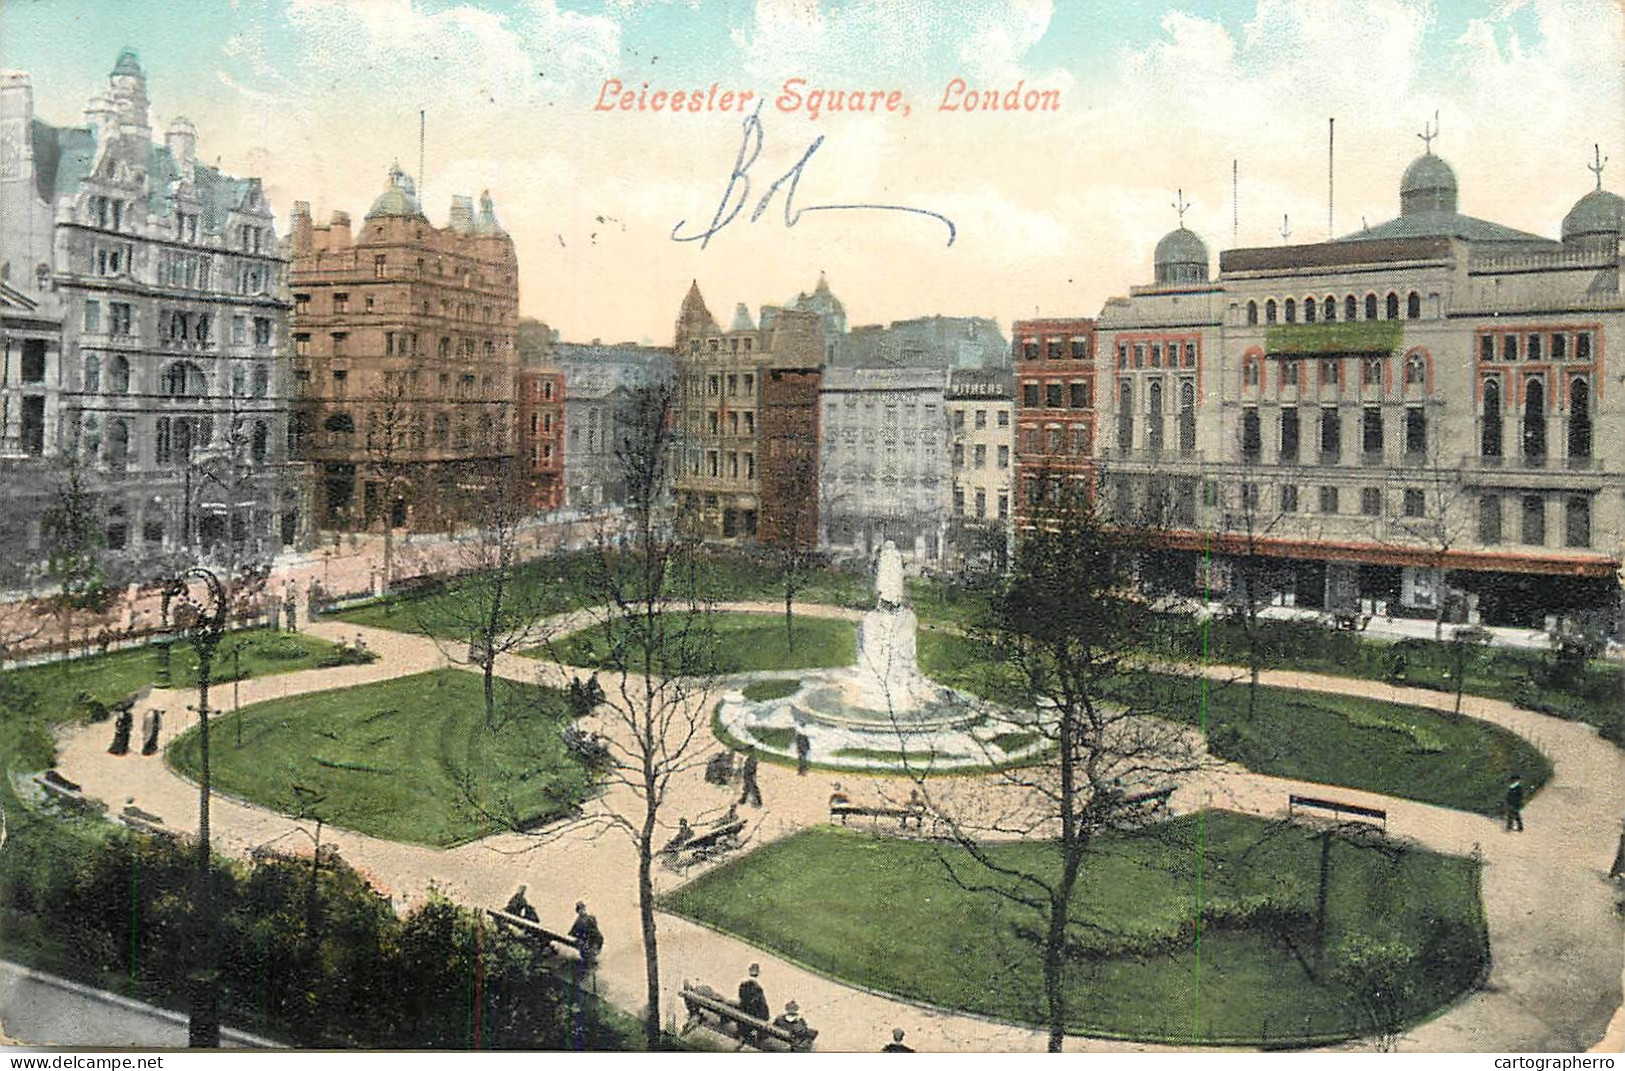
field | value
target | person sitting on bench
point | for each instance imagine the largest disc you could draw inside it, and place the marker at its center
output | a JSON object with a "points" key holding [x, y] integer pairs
{"points": [[720, 770], [518, 905], [838, 797], [793, 1024], [753, 1002], [685, 833]]}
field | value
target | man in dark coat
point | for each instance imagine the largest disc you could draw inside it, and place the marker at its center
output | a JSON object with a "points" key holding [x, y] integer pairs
{"points": [[751, 792], [752, 1001], [519, 905], [897, 1042], [1515, 804], [589, 938]]}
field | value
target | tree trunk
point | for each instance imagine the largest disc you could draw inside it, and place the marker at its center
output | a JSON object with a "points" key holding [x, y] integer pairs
{"points": [[646, 916], [389, 550], [789, 628], [1321, 893], [488, 664]]}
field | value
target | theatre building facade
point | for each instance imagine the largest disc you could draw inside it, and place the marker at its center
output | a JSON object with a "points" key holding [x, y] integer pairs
{"points": [[1426, 409]]}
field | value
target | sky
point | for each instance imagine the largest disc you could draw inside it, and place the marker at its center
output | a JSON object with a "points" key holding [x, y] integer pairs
{"points": [[1053, 211]]}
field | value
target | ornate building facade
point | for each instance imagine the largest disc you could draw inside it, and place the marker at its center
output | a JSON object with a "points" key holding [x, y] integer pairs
{"points": [[405, 361], [729, 385], [166, 382], [1418, 411]]}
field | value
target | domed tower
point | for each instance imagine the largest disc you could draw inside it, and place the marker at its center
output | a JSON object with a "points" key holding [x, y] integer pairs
{"points": [[1181, 257], [1597, 220], [1429, 185], [398, 199], [826, 305], [128, 90]]}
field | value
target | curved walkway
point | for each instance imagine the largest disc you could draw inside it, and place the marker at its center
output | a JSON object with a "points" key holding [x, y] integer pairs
{"points": [[1555, 937]]}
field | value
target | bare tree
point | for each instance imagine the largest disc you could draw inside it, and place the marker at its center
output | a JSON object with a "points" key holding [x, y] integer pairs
{"points": [[1255, 576], [494, 607], [793, 541], [660, 655], [1062, 641], [1436, 516], [394, 434]]}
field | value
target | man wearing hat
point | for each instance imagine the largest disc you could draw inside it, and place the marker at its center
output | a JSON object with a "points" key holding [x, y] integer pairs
{"points": [[752, 1001], [897, 1042], [793, 1024]]}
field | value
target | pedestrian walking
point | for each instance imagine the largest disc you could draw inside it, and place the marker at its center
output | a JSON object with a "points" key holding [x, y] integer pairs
{"points": [[1515, 804], [751, 792], [803, 753], [588, 937]]}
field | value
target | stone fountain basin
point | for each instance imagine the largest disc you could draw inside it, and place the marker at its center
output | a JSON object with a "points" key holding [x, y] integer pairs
{"points": [[829, 704]]}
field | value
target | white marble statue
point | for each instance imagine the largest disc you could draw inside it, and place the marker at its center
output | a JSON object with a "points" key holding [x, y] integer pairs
{"points": [[889, 576]]}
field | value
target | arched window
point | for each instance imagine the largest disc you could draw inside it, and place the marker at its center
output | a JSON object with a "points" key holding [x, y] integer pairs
{"points": [[93, 374], [1393, 306], [1371, 306], [262, 381], [1351, 308], [1249, 372], [1534, 419], [1416, 370], [1371, 372], [1290, 311], [1269, 311], [1125, 415], [118, 374], [1328, 310], [1579, 418], [1309, 310], [1153, 424], [1252, 312], [183, 379], [118, 442], [1489, 443], [1413, 306]]}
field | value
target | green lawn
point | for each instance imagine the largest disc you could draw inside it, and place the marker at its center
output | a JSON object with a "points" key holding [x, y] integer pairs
{"points": [[884, 913], [743, 643], [777, 688], [1396, 750], [409, 759]]}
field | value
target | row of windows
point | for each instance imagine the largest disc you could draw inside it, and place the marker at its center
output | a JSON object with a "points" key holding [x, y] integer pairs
{"points": [[1534, 346], [1077, 394], [1372, 370], [716, 345], [1533, 421], [1077, 440], [404, 344], [1179, 354], [978, 456], [1326, 308], [1075, 348], [1372, 431], [980, 505], [980, 419]]}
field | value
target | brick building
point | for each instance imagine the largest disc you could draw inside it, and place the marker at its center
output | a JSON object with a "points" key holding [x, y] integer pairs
{"points": [[540, 414], [1054, 404], [405, 361], [726, 394]]}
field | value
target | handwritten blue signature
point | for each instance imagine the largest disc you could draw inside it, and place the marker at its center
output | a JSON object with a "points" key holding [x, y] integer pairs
{"points": [[750, 147]]}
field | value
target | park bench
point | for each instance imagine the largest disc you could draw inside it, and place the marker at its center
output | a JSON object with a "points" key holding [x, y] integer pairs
{"points": [[904, 815], [535, 931], [1337, 809], [706, 845], [1152, 803], [709, 1009], [67, 793], [141, 821]]}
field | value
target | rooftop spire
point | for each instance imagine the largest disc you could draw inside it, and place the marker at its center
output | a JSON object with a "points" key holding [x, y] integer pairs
{"points": [[1427, 135], [1601, 162], [1181, 206]]}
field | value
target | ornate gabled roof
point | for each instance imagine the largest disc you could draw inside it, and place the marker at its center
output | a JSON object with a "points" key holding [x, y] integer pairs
{"points": [[127, 63], [694, 312]]}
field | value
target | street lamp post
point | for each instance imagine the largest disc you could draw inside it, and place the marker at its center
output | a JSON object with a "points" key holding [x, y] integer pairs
{"points": [[202, 625]]}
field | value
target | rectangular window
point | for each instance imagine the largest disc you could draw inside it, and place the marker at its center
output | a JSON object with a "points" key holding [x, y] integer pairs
{"points": [[1486, 347], [119, 313], [1289, 434], [1290, 373], [1331, 434], [1328, 500], [981, 503], [1004, 457], [980, 454], [338, 344], [1534, 520], [1190, 355], [1415, 502], [1533, 351], [378, 266], [1371, 431], [1489, 519], [1578, 532], [1029, 395], [1582, 346], [1053, 349], [1289, 498], [1371, 501], [1252, 440], [1329, 368], [239, 330], [1080, 396], [93, 317], [341, 302], [1416, 430], [1509, 347], [1560, 347], [1054, 395], [981, 418], [1004, 419], [1004, 504]]}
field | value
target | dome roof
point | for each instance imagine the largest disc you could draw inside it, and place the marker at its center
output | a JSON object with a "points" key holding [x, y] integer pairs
{"points": [[400, 199], [127, 63], [1181, 257], [1598, 212], [822, 300], [1428, 185]]}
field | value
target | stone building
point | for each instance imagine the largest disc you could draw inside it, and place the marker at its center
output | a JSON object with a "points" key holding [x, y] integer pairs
{"points": [[730, 384], [600, 382], [885, 471], [541, 409], [981, 447], [941, 342], [143, 330], [1054, 405], [1413, 412], [405, 361]]}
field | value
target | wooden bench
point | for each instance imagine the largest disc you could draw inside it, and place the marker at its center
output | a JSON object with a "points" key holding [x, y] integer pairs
{"points": [[1152, 803], [904, 815], [706, 845], [536, 932], [145, 822], [713, 1011], [1338, 809], [67, 793]]}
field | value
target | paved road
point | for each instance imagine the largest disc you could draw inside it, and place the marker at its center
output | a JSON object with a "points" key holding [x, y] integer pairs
{"points": [[38, 1009], [1555, 937]]}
